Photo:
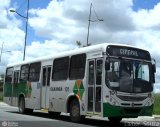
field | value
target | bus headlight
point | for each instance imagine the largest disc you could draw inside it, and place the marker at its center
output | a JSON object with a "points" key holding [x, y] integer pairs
{"points": [[113, 101], [149, 102]]}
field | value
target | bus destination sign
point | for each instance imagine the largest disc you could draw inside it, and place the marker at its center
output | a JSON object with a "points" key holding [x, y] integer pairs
{"points": [[123, 51]]}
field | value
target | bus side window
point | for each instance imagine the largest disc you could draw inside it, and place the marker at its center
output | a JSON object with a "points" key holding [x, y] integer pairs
{"points": [[60, 69], [24, 72], [8, 78], [77, 66], [34, 72]]}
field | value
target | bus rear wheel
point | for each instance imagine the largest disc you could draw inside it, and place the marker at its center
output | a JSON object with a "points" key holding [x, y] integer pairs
{"points": [[22, 108], [115, 120], [21, 105], [75, 111]]}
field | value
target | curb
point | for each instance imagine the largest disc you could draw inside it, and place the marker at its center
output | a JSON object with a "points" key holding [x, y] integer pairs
{"points": [[3, 104], [156, 116]]}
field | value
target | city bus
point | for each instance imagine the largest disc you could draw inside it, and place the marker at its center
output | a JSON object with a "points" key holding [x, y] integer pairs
{"points": [[103, 80]]}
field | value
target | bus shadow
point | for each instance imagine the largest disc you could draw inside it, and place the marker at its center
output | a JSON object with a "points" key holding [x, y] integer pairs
{"points": [[86, 121]]}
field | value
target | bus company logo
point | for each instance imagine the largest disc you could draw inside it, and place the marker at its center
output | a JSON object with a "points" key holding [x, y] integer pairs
{"points": [[78, 88], [4, 124]]}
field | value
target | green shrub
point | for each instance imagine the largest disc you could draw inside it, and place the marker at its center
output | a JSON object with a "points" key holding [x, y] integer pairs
{"points": [[156, 109], [1, 95], [1, 86]]}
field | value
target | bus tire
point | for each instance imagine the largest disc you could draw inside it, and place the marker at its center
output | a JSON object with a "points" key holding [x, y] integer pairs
{"points": [[28, 111], [115, 120], [21, 105], [75, 111], [22, 108]]}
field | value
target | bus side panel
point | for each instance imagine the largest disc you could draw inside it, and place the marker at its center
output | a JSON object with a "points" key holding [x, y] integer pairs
{"points": [[33, 95], [8, 90], [8, 93], [15, 95], [60, 92]]}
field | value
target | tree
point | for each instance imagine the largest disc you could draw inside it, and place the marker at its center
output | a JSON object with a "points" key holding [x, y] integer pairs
{"points": [[79, 44]]}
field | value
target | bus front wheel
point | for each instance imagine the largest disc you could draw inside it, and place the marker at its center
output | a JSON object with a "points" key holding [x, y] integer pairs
{"points": [[75, 111]]}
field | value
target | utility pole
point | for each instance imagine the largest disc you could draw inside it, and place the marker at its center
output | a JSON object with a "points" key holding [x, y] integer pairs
{"points": [[89, 24], [1, 51], [89, 20]]}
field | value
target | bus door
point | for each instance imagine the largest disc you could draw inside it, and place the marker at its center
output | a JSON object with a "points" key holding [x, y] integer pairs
{"points": [[94, 85], [45, 86], [15, 88]]}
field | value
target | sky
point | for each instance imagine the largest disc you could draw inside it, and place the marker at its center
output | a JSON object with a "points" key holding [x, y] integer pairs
{"points": [[55, 25]]}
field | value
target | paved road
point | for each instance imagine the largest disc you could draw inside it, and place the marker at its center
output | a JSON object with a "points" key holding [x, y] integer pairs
{"points": [[10, 116]]}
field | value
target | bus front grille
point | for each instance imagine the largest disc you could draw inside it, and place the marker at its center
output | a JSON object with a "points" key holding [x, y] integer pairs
{"points": [[131, 98]]}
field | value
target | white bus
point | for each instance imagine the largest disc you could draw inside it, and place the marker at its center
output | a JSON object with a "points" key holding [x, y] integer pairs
{"points": [[105, 80]]}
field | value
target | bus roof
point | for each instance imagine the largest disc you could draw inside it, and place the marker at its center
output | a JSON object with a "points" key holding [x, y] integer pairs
{"points": [[87, 49]]}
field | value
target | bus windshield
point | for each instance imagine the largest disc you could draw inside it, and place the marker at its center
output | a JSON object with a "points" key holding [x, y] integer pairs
{"points": [[130, 76]]}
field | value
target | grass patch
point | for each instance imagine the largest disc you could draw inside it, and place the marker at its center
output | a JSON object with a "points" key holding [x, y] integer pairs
{"points": [[156, 109], [1, 96]]}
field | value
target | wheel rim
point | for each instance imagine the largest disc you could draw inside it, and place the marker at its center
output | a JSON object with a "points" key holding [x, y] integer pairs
{"points": [[75, 111], [21, 106]]}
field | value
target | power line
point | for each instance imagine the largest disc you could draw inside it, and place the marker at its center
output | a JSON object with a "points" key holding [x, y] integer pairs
{"points": [[95, 13]]}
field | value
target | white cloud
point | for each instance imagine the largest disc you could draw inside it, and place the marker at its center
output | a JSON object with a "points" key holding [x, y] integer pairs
{"points": [[145, 19], [37, 49], [10, 34], [157, 90]]}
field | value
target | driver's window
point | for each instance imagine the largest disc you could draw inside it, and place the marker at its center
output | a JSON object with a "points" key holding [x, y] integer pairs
{"points": [[143, 72], [113, 73]]}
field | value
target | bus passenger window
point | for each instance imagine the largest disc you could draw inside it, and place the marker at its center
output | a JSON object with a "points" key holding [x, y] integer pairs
{"points": [[24, 72], [8, 78], [60, 69], [77, 66], [34, 72]]}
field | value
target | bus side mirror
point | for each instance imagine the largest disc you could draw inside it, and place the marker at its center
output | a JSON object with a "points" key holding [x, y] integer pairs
{"points": [[154, 68], [107, 65], [153, 72]]}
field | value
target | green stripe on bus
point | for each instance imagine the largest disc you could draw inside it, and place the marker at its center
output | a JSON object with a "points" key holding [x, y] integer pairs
{"points": [[17, 89], [117, 111], [8, 90]]}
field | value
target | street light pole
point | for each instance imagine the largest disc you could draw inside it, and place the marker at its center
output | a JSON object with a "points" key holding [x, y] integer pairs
{"points": [[24, 54], [26, 29]]}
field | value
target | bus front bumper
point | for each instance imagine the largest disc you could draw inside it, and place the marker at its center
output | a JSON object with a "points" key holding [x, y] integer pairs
{"points": [[117, 111]]}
